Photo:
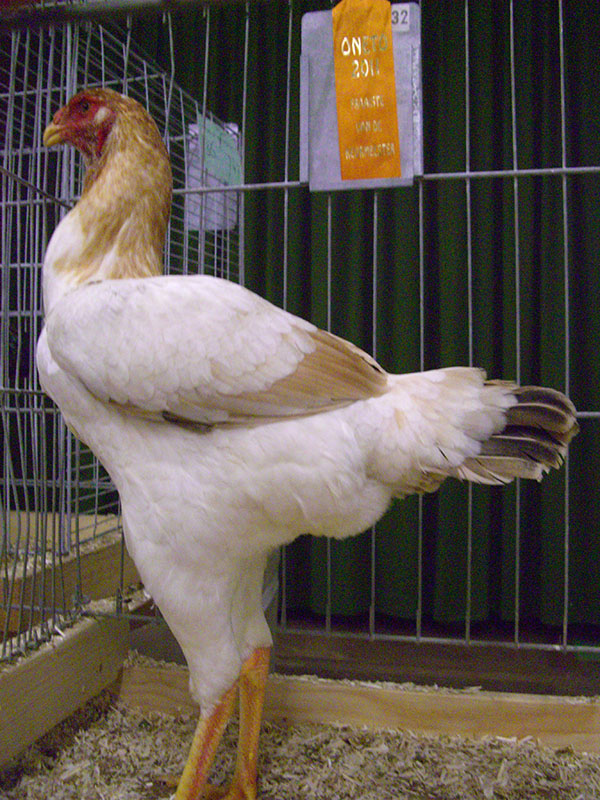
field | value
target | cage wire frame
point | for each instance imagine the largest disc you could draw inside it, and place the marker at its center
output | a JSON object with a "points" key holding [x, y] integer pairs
{"points": [[56, 500], [38, 204]]}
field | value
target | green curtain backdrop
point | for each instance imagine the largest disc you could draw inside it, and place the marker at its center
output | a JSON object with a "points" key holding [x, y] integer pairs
{"points": [[495, 244]]}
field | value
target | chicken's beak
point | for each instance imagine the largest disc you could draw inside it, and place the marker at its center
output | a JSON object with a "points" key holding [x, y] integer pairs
{"points": [[54, 134]]}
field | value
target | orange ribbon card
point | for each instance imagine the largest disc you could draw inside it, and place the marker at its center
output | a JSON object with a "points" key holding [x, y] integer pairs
{"points": [[365, 87]]}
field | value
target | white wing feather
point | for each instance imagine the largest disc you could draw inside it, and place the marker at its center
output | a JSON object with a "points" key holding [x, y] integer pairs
{"points": [[202, 350]]}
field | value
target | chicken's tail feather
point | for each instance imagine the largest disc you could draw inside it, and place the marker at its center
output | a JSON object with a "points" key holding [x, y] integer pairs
{"points": [[534, 440]]}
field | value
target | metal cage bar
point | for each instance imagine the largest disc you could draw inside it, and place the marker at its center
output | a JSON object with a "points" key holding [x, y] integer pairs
{"points": [[55, 498], [62, 482]]}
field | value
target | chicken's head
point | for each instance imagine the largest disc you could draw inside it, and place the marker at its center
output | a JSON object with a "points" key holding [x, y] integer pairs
{"points": [[85, 122]]}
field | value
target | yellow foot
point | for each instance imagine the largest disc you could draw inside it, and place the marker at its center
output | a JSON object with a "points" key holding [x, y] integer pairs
{"points": [[233, 793], [211, 792]]}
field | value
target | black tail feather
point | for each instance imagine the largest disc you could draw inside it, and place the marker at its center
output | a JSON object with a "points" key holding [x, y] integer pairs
{"points": [[538, 429]]}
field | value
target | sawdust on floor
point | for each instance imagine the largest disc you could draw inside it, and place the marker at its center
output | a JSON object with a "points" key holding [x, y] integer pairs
{"points": [[109, 752]]}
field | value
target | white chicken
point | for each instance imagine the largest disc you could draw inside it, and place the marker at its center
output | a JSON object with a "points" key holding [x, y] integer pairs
{"points": [[231, 427]]}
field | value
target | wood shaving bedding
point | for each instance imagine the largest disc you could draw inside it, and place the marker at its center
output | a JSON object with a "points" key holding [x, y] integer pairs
{"points": [[109, 752]]}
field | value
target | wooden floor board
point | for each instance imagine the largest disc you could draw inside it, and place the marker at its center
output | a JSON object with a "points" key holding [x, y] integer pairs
{"points": [[492, 667], [555, 721], [41, 690]]}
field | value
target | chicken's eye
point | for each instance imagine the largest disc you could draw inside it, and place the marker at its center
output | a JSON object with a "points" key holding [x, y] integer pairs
{"points": [[84, 106]]}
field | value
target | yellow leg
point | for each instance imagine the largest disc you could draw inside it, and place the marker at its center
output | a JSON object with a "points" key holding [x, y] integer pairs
{"points": [[251, 685], [204, 746], [253, 680]]}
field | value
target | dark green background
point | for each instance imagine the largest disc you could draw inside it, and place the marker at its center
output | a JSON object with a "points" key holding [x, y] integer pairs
{"points": [[539, 204]]}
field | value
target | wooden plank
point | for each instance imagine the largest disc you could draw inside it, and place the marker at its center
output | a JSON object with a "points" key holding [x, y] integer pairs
{"points": [[491, 667], [42, 689], [20, 523], [555, 721], [162, 689], [100, 566]]}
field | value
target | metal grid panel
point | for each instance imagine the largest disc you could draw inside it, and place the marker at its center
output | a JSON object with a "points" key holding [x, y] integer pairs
{"points": [[283, 188], [55, 496], [563, 172]]}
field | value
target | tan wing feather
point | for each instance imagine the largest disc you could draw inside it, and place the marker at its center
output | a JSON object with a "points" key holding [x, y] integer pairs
{"points": [[334, 374]]}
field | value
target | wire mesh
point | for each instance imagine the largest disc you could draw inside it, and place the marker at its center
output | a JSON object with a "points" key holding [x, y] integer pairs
{"points": [[56, 498], [54, 493], [564, 171]]}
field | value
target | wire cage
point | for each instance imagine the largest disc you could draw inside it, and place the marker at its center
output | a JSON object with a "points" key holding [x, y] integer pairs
{"points": [[413, 275], [56, 499], [55, 496]]}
